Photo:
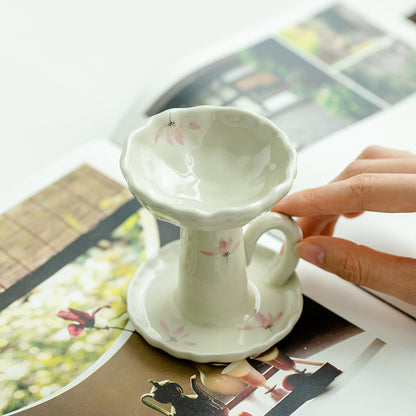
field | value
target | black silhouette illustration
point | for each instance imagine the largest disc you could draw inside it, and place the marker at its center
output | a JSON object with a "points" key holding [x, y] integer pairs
{"points": [[201, 403]]}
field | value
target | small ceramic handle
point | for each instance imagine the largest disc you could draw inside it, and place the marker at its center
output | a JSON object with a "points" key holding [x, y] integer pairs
{"points": [[293, 234]]}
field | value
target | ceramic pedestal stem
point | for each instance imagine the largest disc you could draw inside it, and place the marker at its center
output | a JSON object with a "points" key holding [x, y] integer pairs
{"points": [[212, 287]]}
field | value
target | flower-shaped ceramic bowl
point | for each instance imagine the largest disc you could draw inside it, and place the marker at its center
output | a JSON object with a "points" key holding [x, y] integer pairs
{"points": [[208, 167], [212, 170]]}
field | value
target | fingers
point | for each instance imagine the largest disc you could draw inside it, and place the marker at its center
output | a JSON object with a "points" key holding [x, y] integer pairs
{"points": [[317, 225], [363, 266], [352, 214], [360, 166], [321, 224], [373, 160], [365, 192], [380, 180], [380, 152]]}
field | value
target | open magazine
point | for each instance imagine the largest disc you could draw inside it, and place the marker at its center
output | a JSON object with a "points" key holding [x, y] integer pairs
{"points": [[316, 79], [335, 79], [330, 70], [70, 245], [69, 253]]}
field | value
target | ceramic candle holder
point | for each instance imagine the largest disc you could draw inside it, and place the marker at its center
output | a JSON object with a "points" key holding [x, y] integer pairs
{"points": [[215, 295]]}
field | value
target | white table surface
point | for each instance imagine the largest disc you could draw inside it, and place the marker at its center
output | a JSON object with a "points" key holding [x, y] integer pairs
{"points": [[71, 70]]}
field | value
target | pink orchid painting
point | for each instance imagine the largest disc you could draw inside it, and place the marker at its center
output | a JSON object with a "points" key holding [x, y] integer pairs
{"points": [[177, 335], [263, 321], [225, 248], [174, 131], [83, 319]]}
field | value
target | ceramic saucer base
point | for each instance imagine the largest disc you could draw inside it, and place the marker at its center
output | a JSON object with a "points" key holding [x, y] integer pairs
{"points": [[155, 315]]}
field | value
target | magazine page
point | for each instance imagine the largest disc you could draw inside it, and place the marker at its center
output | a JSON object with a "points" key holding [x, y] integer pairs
{"points": [[335, 77], [330, 70], [69, 251]]}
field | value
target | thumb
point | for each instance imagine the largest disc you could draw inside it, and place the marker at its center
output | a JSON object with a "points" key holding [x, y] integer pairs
{"points": [[362, 265]]}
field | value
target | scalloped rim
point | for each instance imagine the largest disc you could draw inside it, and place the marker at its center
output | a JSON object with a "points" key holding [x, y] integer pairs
{"points": [[184, 216]]}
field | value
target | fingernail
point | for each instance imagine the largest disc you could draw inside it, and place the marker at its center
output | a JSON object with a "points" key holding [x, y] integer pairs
{"points": [[311, 253]]}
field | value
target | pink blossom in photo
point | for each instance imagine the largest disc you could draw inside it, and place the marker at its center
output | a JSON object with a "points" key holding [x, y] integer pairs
{"points": [[83, 319]]}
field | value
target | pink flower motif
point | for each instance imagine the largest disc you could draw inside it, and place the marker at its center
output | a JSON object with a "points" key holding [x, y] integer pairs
{"points": [[177, 335], [174, 132], [224, 248], [84, 319], [265, 322]]}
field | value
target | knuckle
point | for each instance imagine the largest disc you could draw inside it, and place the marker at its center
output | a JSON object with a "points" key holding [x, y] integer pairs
{"points": [[352, 269], [363, 182], [360, 186]]}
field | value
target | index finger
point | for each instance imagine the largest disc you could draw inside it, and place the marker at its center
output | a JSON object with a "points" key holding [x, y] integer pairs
{"points": [[364, 192]]}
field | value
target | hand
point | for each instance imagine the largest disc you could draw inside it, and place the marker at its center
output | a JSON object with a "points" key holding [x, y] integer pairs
{"points": [[381, 180]]}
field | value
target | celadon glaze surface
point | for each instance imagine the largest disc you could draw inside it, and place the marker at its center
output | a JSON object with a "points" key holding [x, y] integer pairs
{"points": [[208, 167], [209, 260], [156, 315], [215, 295]]}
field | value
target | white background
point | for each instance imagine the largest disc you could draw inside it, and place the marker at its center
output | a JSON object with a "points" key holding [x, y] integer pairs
{"points": [[72, 71]]}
